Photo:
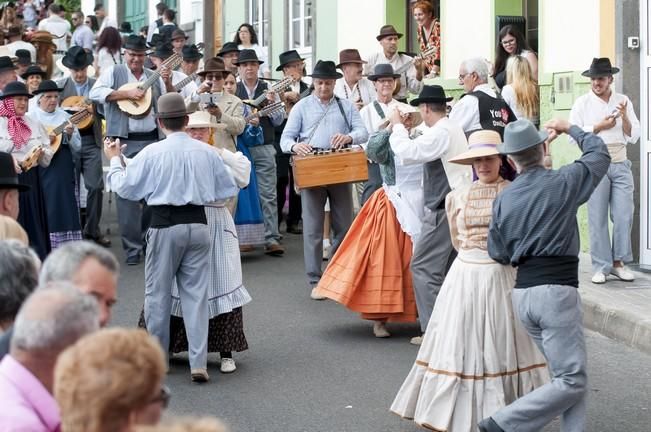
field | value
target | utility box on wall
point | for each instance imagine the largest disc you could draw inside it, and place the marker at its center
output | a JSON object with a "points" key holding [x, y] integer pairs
{"points": [[563, 91]]}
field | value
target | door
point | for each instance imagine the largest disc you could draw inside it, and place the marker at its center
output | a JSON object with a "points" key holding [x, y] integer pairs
{"points": [[135, 12]]}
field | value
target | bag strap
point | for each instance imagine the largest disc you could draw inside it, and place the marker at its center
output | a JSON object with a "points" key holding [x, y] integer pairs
{"points": [[378, 109], [343, 114]]}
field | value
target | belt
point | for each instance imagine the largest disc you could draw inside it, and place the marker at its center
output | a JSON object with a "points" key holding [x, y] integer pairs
{"points": [[163, 216], [143, 136]]}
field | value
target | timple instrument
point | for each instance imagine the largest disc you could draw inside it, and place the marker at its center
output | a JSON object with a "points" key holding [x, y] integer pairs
{"points": [[75, 104]]}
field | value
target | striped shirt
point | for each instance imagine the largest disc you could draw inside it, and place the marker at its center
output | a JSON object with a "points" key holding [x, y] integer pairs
{"points": [[536, 215]]}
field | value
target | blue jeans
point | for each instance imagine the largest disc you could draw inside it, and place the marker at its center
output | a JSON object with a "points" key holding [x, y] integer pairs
{"points": [[552, 316], [614, 192]]}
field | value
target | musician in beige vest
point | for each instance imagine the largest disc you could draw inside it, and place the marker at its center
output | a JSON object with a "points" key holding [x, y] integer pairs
{"points": [[353, 86], [412, 79]]}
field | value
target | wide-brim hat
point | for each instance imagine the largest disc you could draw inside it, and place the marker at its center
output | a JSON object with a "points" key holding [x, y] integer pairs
{"points": [[431, 94], [201, 119], [246, 56], [349, 55], [179, 34], [171, 105], [288, 57], [388, 30], [213, 65], [228, 47], [135, 43], [405, 109], [383, 70], [77, 58], [66, 71], [6, 63], [519, 136], [15, 88], [325, 69], [191, 52], [481, 143], [34, 70], [47, 86], [600, 67], [8, 175], [163, 51]]}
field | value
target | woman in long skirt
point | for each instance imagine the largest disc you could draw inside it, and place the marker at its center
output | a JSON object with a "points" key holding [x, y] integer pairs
{"points": [[475, 357]]}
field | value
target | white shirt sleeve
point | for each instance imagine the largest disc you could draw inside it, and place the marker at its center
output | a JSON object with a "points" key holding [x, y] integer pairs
{"points": [[429, 146], [465, 113]]}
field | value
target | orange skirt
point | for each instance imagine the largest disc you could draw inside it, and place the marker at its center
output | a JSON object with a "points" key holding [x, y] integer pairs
{"points": [[370, 272]]}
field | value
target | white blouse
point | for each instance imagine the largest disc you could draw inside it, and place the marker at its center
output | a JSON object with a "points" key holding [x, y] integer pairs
{"points": [[39, 138]]}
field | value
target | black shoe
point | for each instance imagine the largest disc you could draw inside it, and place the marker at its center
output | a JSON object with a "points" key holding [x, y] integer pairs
{"points": [[133, 260], [294, 229], [489, 425]]}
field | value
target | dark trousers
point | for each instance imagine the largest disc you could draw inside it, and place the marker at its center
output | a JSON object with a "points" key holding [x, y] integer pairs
{"points": [[285, 177], [89, 165]]}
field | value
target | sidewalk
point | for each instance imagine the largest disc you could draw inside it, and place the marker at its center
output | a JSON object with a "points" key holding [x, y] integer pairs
{"points": [[619, 310]]}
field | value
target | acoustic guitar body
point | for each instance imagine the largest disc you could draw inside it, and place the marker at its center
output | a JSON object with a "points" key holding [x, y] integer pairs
{"points": [[135, 108], [75, 104], [55, 142]]}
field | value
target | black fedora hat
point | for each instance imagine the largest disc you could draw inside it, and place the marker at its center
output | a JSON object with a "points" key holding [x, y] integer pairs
{"points": [[135, 43], [190, 52], [179, 34], [34, 70], [325, 69], [247, 55], [431, 94], [383, 70], [163, 50], [15, 88], [600, 67], [125, 27], [288, 57], [8, 176], [6, 64], [77, 58], [24, 57], [228, 47], [47, 86]]}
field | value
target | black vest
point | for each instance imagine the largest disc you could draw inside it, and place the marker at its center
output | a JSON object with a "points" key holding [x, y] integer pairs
{"points": [[494, 113], [435, 185], [268, 130]]}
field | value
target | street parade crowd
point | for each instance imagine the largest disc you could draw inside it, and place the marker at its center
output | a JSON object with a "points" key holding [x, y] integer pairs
{"points": [[448, 214]]}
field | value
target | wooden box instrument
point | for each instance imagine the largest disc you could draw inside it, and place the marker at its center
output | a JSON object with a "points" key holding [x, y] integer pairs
{"points": [[330, 167]]}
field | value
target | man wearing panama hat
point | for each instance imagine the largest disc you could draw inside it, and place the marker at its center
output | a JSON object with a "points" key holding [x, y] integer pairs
{"points": [[610, 116], [89, 160], [534, 229], [440, 140]]}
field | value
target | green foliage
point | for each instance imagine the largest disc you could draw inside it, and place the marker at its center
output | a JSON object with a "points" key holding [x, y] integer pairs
{"points": [[70, 6]]}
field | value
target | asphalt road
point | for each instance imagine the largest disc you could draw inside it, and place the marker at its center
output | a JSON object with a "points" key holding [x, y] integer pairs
{"points": [[315, 366]]}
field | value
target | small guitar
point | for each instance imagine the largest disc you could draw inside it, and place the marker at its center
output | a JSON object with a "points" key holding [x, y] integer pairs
{"points": [[275, 87], [267, 111], [31, 159], [185, 81], [75, 119], [75, 104], [429, 52]]}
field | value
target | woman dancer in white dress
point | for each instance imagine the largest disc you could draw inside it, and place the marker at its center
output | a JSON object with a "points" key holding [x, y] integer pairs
{"points": [[475, 357]]}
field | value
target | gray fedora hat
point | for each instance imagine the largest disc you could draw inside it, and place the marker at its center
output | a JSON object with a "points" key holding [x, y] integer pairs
{"points": [[519, 136]]}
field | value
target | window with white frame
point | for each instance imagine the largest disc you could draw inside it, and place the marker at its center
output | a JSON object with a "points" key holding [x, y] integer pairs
{"points": [[300, 24], [259, 18]]}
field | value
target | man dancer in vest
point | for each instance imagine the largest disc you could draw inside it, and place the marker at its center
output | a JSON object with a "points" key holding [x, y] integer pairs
{"points": [[480, 107], [170, 176], [440, 140], [264, 155], [136, 134], [89, 161], [610, 116], [534, 229], [339, 124]]}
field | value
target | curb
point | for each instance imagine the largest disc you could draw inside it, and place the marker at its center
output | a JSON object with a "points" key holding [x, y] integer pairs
{"points": [[616, 323]]}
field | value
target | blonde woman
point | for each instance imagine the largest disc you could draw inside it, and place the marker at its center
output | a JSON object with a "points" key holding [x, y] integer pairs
{"points": [[111, 381], [521, 91]]}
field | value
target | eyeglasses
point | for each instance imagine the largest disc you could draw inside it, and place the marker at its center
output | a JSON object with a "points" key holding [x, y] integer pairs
{"points": [[87, 22], [463, 76], [508, 42], [164, 397]]}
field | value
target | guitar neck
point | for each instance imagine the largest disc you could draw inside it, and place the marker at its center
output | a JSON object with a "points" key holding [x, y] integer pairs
{"points": [[179, 86], [171, 63], [279, 86], [75, 119], [405, 67]]}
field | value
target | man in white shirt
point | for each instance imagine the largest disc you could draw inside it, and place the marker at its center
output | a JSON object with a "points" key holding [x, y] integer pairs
{"points": [[105, 20], [58, 26], [480, 107], [16, 42], [411, 79], [610, 116], [82, 36], [163, 52], [374, 114], [353, 86]]}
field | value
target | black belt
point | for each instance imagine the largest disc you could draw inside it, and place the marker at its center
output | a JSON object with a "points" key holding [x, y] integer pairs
{"points": [[143, 136], [548, 270], [163, 216]]}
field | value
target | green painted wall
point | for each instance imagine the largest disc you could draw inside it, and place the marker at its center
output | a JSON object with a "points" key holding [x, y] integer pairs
{"points": [[326, 30], [234, 14], [396, 14], [278, 34], [507, 7]]}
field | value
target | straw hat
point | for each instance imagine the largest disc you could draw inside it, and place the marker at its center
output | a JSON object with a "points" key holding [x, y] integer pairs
{"points": [[405, 109], [201, 119], [481, 143]]}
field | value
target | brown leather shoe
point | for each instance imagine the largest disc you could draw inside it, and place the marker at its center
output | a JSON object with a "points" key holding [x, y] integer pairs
{"points": [[247, 248], [199, 375], [274, 250]]}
